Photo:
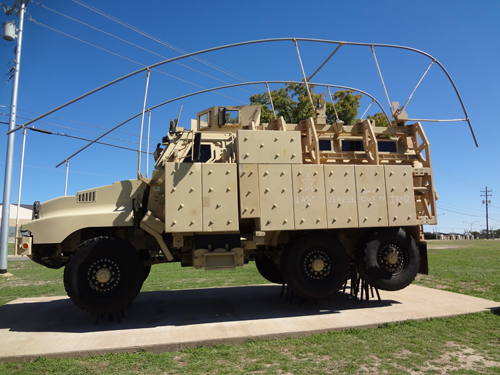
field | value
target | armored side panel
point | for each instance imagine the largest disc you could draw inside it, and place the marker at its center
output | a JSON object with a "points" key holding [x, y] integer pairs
{"points": [[275, 193], [400, 195], [341, 203], [309, 196], [248, 175], [371, 196], [220, 197], [269, 147], [183, 202]]}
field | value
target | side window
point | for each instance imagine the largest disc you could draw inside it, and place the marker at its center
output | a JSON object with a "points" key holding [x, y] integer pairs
{"points": [[232, 117], [352, 145], [205, 154], [203, 120], [325, 145]]}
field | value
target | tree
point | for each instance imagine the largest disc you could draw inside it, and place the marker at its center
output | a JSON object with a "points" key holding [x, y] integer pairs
{"points": [[430, 236], [347, 105], [292, 102], [380, 119]]}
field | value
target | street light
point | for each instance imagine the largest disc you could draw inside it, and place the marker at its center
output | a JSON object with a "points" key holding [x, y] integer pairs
{"points": [[471, 224]]}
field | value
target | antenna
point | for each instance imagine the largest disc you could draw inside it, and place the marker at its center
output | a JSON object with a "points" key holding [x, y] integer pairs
{"points": [[173, 123]]}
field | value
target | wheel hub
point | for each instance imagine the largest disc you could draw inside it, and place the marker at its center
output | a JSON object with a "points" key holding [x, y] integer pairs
{"points": [[317, 265], [103, 275], [391, 258]]}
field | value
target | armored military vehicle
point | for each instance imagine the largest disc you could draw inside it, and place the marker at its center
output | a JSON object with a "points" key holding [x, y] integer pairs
{"points": [[306, 201]]}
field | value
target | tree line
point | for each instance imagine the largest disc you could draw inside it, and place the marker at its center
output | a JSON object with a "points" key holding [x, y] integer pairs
{"points": [[292, 102]]}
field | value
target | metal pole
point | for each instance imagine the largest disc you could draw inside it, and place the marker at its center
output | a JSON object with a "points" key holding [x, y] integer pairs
{"points": [[271, 99], [4, 237], [20, 182], [305, 79], [147, 149], [333, 103], [364, 113], [66, 181], [382, 79], [329, 57], [142, 124], [418, 84]]}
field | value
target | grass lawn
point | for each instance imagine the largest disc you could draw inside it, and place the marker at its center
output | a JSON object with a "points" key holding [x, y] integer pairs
{"points": [[460, 345]]}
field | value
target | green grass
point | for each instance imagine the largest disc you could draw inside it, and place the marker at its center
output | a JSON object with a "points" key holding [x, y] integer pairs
{"points": [[10, 250], [467, 267], [466, 344]]}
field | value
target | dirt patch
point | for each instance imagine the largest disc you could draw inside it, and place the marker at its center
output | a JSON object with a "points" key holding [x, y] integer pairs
{"points": [[450, 244], [18, 282], [455, 358]]}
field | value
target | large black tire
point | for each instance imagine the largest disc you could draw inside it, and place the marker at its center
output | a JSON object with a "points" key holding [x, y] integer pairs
{"points": [[315, 265], [145, 257], [146, 271], [104, 275], [268, 269], [388, 259]]}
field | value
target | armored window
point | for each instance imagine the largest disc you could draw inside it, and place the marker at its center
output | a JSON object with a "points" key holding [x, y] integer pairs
{"points": [[352, 146], [232, 117], [387, 146], [203, 120], [205, 155], [325, 145]]}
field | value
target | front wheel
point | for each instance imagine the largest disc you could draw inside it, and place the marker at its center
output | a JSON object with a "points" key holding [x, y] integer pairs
{"points": [[388, 259], [315, 265], [104, 275]]}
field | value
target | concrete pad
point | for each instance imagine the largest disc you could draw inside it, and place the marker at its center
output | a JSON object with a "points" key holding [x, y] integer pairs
{"points": [[53, 327]]}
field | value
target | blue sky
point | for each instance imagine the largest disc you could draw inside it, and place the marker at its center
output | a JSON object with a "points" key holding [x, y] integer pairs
{"points": [[57, 66]]}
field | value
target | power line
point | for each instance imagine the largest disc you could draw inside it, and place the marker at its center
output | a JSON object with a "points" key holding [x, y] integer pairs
{"points": [[69, 128], [137, 46], [126, 58], [486, 201], [78, 122], [83, 139], [459, 213], [59, 170], [449, 175], [453, 206], [143, 33]]}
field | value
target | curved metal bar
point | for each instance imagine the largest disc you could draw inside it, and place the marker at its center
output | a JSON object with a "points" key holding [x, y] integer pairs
{"points": [[257, 42], [431, 120], [215, 89]]}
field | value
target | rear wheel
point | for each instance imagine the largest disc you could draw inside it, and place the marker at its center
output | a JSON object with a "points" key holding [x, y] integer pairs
{"points": [[388, 258], [269, 269], [315, 265], [104, 275]]}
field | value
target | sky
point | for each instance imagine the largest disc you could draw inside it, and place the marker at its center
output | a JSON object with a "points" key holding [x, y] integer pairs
{"points": [[73, 46]]}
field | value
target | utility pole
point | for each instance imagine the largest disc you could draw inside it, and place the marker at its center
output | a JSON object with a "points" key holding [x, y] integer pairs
{"points": [[8, 35], [486, 201]]}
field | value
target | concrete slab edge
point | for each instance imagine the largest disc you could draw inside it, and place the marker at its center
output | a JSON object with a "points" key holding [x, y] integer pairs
{"points": [[171, 347]]}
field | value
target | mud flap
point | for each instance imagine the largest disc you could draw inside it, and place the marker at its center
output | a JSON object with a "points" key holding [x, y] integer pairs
{"points": [[424, 264]]}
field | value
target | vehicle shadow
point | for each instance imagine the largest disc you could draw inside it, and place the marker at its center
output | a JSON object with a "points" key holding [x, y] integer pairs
{"points": [[177, 308]]}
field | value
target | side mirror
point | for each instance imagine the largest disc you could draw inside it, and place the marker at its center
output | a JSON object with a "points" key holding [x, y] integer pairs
{"points": [[196, 149]]}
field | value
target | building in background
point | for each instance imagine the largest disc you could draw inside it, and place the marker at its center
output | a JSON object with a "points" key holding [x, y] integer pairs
{"points": [[25, 212]]}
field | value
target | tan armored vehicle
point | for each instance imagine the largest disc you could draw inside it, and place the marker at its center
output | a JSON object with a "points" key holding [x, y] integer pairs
{"points": [[304, 200]]}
